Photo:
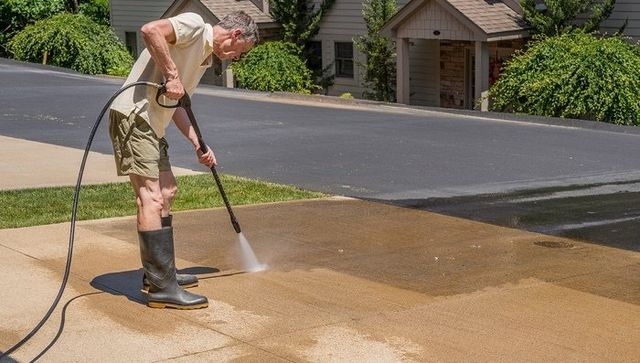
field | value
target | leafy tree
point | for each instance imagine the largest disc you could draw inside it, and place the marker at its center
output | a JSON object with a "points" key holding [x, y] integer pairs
{"points": [[16, 14], [73, 41], [300, 21], [380, 67], [97, 10], [273, 66], [557, 16], [573, 75]]}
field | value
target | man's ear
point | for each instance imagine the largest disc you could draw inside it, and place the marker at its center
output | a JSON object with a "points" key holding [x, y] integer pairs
{"points": [[236, 33]]}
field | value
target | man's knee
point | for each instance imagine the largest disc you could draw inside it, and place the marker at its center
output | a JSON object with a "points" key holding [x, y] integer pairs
{"points": [[150, 200], [149, 196]]}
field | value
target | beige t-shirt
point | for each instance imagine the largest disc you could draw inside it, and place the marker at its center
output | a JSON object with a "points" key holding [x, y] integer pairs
{"points": [[192, 55]]}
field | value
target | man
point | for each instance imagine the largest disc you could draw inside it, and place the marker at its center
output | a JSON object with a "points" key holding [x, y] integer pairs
{"points": [[178, 52]]}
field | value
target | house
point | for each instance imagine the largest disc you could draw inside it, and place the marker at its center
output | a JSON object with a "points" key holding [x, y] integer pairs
{"points": [[434, 70], [436, 40], [128, 16], [468, 40]]}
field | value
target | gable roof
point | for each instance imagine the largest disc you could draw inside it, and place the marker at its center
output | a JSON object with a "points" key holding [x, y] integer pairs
{"points": [[489, 19], [220, 8]]}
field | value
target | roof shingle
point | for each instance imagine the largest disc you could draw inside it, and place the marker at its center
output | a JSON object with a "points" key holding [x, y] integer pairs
{"points": [[220, 8], [492, 16]]}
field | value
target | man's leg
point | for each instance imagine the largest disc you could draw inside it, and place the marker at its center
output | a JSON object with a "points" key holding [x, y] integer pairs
{"points": [[169, 188], [157, 249], [137, 154], [149, 201]]}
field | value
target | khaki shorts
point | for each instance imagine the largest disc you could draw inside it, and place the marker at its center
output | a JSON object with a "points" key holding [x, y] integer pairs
{"points": [[136, 147]]}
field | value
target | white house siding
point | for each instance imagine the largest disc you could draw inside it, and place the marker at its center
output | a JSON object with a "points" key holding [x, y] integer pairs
{"points": [[424, 72], [342, 23], [130, 15], [624, 9]]}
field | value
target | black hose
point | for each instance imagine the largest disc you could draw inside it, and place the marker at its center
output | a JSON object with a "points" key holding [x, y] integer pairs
{"points": [[74, 211]]}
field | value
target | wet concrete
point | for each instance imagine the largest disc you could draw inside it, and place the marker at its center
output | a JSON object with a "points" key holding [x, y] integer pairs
{"points": [[602, 213], [348, 281]]}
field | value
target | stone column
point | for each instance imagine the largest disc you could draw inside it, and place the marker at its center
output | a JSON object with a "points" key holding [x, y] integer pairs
{"points": [[481, 69]]}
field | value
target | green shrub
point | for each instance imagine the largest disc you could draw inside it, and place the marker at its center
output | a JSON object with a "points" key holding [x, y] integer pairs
{"points": [[273, 66], [574, 75], [97, 10], [16, 14], [73, 41], [347, 96]]}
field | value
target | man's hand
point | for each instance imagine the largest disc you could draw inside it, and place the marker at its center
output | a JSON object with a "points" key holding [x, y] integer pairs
{"points": [[208, 159], [174, 89]]}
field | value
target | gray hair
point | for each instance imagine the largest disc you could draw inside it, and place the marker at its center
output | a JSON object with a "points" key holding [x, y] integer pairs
{"points": [[240, 20]]}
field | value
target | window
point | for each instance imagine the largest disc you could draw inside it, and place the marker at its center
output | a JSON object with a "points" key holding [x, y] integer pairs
{"points": [[344, 59], [131, 41], [314, 56]]}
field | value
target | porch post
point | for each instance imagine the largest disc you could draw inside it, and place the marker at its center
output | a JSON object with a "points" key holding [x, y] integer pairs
{"points": [[481, 69], [227, 74], [402, 66]]}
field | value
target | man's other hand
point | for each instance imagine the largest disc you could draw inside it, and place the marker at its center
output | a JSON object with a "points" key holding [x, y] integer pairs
{"points": [[208, 159], [174, 89]]}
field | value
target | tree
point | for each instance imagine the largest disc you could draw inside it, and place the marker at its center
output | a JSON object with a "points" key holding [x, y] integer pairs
{"points": [[16, 14], [300, 23], [574, 75], [380, 67], [97, 10], [72, 41], [553, 17]]}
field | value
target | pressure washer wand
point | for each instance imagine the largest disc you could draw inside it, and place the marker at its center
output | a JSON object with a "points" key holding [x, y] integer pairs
{"points": [[185, 103]]}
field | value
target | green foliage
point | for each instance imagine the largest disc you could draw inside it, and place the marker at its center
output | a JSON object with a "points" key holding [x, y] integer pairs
{"points": [[346, 96], [574, 75], [97, 10], [273, 66], [16, 14], [73, 41], [560, 15], [300, 22], [380, 67]]}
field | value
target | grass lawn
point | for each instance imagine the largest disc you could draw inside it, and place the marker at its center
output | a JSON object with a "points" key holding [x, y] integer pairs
{"points": [[31, 207]]}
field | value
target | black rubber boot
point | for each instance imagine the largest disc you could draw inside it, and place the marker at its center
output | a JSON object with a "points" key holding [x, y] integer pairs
{"points": [[158, 261], [184, 280], [167, 221]]}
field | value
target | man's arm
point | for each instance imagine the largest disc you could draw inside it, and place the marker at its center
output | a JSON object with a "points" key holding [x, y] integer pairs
{"points": [[157, 36], [181, 119]]}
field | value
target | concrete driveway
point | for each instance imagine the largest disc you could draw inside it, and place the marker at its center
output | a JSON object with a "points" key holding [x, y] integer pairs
{"points": [[348, 281]]}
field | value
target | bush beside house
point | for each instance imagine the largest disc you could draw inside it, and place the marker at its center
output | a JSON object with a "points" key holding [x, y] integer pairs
{"points": [[274, 66], [573, 75]]}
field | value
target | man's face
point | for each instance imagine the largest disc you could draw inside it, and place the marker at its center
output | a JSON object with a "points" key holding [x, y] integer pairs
{"points": [[234, 46]]}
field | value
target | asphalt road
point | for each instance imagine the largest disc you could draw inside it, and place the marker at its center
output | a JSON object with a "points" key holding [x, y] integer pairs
{"points": [[581, 181]]}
